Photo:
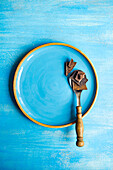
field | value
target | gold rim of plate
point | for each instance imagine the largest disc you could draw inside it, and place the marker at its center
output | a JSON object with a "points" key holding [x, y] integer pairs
{"points": [[15, 76]]}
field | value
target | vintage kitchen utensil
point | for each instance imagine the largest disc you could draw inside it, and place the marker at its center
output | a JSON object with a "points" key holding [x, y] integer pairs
{"points": [[78, 81], [41, 89]]}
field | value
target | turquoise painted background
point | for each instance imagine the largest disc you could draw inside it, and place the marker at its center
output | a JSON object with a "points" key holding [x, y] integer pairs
{"points": [[85, 24]]}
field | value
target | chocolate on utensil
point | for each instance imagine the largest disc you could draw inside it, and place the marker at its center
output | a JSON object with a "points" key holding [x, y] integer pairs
{"points": [[79, 80], [76, 87]]}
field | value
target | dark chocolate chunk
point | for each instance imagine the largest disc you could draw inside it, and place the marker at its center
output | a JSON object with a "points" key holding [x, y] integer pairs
{"points": [[76, 87], [69, 66], [79, 79]]}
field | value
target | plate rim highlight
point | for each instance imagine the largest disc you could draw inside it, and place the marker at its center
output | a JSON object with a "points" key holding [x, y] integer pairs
{"points": [[15, 77]]}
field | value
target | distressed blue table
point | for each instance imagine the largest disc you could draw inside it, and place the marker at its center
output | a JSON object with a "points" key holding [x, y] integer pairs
{"points": [[85, 24]]}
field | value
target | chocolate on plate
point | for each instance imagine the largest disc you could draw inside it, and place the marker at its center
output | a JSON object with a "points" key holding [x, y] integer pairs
{"points": [[69, 66]]}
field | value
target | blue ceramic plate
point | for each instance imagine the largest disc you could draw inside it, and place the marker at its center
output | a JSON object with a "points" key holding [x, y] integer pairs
{"points": [[42, 90]]}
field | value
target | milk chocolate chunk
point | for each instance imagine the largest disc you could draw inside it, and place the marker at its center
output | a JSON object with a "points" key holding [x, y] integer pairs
{"points": [[79, 80], [69, 66], [76, 87]]}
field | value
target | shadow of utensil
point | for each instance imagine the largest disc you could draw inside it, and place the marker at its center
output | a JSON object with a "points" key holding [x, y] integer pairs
{"points": [[73, 107]]}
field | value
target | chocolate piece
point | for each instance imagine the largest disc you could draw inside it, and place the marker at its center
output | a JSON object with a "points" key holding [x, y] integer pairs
{"points": [[79, 80], [79, 77], [76, 87], [69, 66]]}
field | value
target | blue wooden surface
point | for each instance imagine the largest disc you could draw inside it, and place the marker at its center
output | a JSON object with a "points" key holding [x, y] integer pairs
{"points": [[85, 24]]}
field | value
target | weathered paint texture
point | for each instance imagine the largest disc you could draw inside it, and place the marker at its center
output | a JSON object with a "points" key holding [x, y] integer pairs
{"points": [[85, 24]]}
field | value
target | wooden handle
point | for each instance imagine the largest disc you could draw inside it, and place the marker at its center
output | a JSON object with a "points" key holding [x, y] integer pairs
{"points": [[79, 127]]}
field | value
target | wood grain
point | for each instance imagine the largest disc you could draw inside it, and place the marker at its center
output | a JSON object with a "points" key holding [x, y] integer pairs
{"points": [[79, 127]]}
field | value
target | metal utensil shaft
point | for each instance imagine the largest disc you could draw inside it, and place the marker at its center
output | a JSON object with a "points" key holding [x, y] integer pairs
{"points": [[78, 94]]}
